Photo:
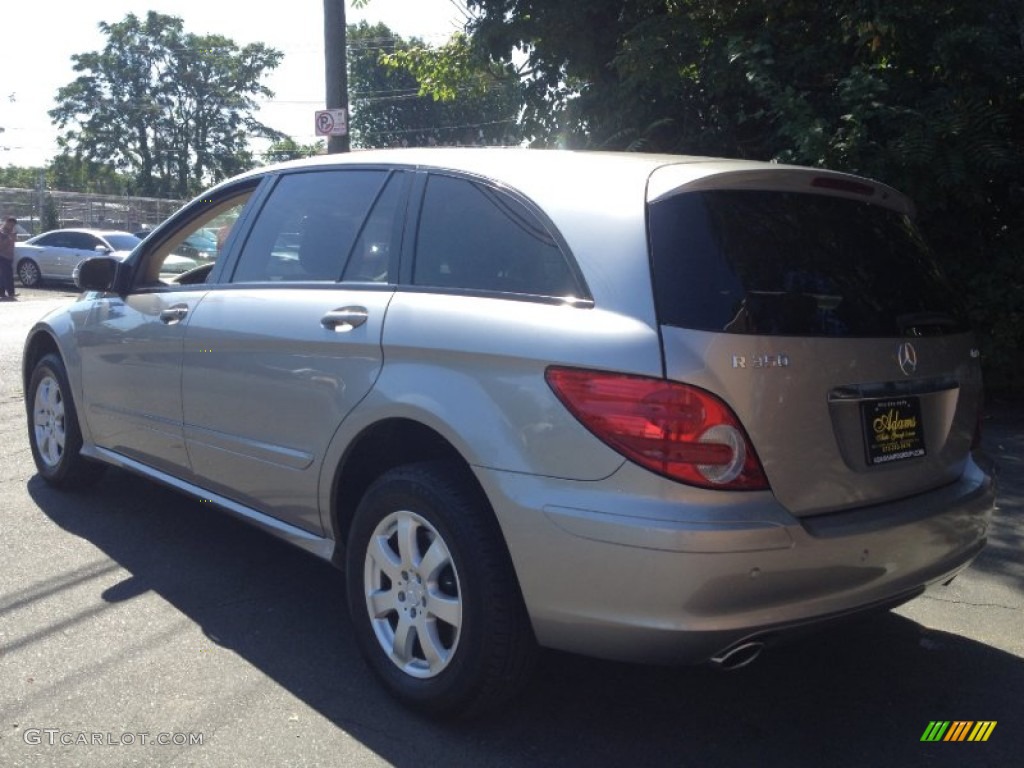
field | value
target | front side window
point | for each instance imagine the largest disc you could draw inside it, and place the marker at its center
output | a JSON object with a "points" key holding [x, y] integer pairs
{"points": [[197, 243], [83, 241], [308, 226], [478, 238]]}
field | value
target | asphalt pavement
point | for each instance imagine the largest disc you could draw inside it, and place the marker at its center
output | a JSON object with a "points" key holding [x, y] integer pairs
{"points": [[141, 628]]}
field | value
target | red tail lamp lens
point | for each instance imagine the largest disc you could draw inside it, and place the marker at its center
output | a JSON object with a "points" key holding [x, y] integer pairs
{"points": [[677, 430]]}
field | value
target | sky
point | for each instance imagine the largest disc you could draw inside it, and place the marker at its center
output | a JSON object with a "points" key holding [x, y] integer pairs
{"points": [[38, 38]]}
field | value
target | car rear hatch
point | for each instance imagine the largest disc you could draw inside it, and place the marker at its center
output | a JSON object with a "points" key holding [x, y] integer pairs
{"points": [[808, 302]]}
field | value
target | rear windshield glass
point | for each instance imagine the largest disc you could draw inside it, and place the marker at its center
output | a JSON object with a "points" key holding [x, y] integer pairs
{"points": [[794, 264]]}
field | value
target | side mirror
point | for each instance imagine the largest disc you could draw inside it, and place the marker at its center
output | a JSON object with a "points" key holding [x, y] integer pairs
{"points": [[101, 249], [96, 273]]}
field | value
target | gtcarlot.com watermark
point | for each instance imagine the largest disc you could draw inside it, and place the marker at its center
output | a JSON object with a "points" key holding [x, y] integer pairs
{"points": [[55, 737]]}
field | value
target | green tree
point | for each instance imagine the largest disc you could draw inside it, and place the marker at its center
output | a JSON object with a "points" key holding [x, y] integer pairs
{"points": [[19, 176], [392, 106], [171, 109], [50, 216], [70, 174], [289, 149], [76, 174]]}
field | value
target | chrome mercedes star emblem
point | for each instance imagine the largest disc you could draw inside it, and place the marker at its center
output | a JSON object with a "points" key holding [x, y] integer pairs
{"points": [[906, 356]]}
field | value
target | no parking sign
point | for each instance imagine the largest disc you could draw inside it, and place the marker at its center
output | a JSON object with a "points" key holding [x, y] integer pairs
{"points": [[331, 122]]}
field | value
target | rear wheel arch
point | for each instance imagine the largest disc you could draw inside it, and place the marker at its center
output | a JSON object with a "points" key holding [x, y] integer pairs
{"points": [[378, 448]]}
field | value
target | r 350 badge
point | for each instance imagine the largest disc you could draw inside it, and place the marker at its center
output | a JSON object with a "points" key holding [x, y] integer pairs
{"points": [[760, 361]]}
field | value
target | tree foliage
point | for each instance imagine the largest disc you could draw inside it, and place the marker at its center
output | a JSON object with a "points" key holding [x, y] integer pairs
{"points": [[19, 176], [171, 109], [70, 174], [927, 96], [289, 149], [394, 103]]}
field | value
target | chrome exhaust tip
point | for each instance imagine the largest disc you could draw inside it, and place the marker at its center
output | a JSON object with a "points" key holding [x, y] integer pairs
{"points": [[738, 656]]}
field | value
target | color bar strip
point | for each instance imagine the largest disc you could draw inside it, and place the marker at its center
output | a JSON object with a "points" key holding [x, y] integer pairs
{"points": [[935, 730], [982, 730], [959, 730]]}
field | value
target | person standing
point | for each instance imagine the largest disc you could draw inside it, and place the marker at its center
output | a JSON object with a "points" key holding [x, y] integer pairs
{"points": [[8, 237]]}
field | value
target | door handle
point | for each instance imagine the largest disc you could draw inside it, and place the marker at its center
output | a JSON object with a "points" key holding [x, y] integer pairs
{"points": [[344, 319], [174, 315]]}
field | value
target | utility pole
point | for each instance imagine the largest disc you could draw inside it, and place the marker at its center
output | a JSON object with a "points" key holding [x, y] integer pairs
{"points": [[336, 70], [40, 195]]}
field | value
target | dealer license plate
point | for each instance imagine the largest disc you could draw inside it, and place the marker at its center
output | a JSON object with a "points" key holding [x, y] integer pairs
{"points": [[893, 430]]}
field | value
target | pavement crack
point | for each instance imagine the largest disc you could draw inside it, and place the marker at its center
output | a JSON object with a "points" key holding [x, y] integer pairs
{"points": [[972, 604]]}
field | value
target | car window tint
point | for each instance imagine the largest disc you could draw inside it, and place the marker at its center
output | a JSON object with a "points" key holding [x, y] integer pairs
{"points": [[475, 237], [82, 241], [121, 242], [371, 256], [307, 227], [794, 264], [59, 240]]}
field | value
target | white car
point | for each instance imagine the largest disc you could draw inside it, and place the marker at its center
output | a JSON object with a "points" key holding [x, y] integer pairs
{"points": [[55, 255]]}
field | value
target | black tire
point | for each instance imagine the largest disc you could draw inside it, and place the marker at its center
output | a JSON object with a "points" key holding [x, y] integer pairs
{"points": [[469, 645], [53, 430], [29, 274]]}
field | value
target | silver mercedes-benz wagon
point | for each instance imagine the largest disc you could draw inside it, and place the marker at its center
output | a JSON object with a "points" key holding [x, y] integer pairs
{"points": [[641, 407]]}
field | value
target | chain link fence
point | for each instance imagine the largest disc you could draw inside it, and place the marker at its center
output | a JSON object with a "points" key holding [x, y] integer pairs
{"points": [[38, 211]]}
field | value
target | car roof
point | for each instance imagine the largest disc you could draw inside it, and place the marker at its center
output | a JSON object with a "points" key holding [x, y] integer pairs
{"points": [[88, 231], [557, 173]]}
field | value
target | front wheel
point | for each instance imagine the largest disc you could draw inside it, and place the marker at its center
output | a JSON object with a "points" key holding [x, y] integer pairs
{"points": [[28, 273], [432, 593], [53, 430]]}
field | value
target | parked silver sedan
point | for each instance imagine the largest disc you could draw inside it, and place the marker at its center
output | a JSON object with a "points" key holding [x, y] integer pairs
{"points": [[56, 254], [642, 407]]}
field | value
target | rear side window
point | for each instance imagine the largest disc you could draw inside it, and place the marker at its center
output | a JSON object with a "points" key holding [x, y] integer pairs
{"points": [[56, 240], [475, 237], [794, 264]]}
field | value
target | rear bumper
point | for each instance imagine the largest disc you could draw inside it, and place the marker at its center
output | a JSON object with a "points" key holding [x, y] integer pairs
{"points": [[631, 569]]}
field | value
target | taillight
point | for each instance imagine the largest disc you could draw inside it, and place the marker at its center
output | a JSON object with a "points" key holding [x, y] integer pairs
{"points": [[677, 430]]}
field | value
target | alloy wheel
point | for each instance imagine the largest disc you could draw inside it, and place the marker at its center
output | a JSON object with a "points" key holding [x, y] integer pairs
{"points": [[48, 421], [412, 594], [28, 273]]}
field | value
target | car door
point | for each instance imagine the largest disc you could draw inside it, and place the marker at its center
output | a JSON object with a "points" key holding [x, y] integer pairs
{"points": [[50, 247], [77, 247], [277, 356], [131, 348]]}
